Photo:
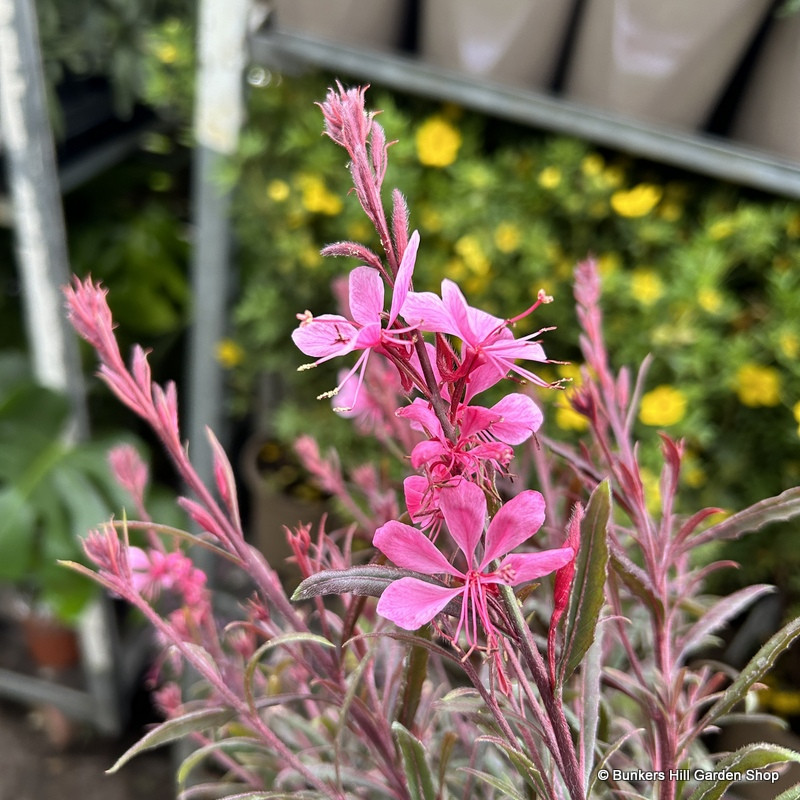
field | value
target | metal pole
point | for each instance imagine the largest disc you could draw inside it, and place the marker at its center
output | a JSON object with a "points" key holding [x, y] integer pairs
{"points": [[219, 112], [36, 200]]}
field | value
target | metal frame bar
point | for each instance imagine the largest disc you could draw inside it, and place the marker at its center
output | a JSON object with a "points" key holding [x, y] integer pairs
{"points": [[713, 156]]}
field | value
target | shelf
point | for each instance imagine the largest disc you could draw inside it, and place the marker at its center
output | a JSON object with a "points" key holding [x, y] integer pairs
{"points": [[708, 155]]}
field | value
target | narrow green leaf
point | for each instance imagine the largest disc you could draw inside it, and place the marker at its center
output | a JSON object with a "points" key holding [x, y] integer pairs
{"points": [[234, 744], [590, 678], [415, 673], [588, 586], [174, 729], [736, 765], [503, 785], [524, 766], [756, 668], [415, 765]]}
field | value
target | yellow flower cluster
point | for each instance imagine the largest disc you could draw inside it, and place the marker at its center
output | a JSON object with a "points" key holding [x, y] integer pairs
{"points": [[638, 201], [550, 177], [507, 237], [229, 353], [757, 385], [317, 199], [663, 406], [646, 286], [438, 142], [796, 414]]}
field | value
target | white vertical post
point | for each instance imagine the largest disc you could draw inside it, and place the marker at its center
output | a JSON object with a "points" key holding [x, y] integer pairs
{"points": [[219, 112], [36, 206]]}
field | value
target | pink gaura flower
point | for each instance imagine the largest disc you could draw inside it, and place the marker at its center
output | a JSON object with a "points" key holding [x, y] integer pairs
{"points": [[332, 335], [486, 339], [411, 602], [484, 439]]}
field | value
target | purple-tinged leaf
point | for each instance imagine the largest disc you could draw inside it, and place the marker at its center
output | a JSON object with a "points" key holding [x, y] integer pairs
{"points": [[588, 585], [753, 756], [368, 580], [719, 615], [774, 509], [636, 580]]}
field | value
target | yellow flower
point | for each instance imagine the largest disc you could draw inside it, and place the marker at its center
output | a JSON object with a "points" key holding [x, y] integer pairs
{"points": [[663, 406], [568, 419], [229, 353], [646, 286], [721, 229], [166, 53], [636, 202], [550, 177], [789, 344], [710, 300], [471, 251], [278, 190], [592, 165], [608, 264], [796, 414], [757, 386], [316, 197], [438, 142], [507, 237]]}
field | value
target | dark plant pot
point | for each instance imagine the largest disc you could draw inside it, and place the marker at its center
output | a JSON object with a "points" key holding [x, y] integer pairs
{"points": [[666, 63], [50, 643]]}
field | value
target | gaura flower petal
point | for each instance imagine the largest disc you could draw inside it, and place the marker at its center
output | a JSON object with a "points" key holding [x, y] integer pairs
{"points": [[403, 280], [521, 567], [516, 521], [366, 295], [411, 549], [410, 602], [325, 336], [520, 418], [470, 324], [464, 509], [426, 310]]}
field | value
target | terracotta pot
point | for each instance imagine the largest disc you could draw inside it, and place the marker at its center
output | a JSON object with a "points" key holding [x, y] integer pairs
{"points": [[663, 62], [769, 111], [50, 643], [512, 41], [375, 24]]}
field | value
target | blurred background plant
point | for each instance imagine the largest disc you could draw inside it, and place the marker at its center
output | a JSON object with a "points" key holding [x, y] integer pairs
{"points": [[700, 274]]}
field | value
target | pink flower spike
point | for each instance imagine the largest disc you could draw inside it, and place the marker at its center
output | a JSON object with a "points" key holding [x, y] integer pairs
{"points": [[130, 471], [486, 339]]}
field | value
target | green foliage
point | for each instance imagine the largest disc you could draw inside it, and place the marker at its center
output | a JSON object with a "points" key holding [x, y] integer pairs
{"points": [[698, 273], [50, 493], [113, 38]]}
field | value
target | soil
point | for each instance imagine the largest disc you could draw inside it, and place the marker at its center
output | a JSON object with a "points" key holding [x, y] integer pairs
{"points": [[43, 756]]}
